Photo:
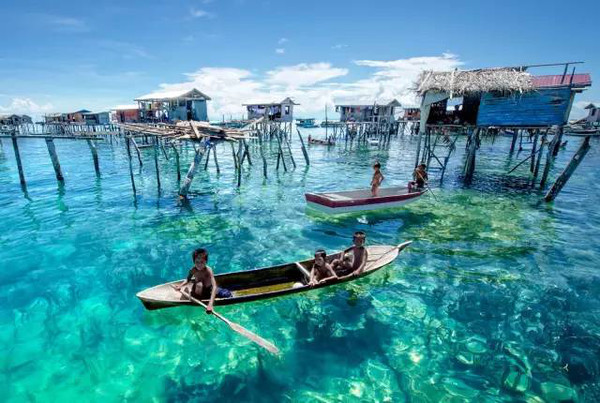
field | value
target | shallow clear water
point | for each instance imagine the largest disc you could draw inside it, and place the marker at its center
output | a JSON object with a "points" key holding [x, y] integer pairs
{"points": [[497, 299]]}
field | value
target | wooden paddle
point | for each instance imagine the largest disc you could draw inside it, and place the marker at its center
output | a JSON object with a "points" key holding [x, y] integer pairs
{"points": [[238, 328], [428, 188]]}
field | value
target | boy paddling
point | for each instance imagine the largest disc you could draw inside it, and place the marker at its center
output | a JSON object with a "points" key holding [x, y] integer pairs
{"points": [[352, 261], [202, 280]]}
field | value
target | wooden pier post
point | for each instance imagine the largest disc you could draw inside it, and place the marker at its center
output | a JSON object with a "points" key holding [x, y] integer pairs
{"points": [[262, 155], [471, 152], [533, 150], [549, 159], [156, 151], [246, 151], [214, 148], [185, 188], [304, 147], [177, 162], [514, 141], [235, 161], [137, 150], [130, 165], [537, 163], [207, 158], [566, 174], [289, 147], [19, 163], [94, 156], [54, 158]]}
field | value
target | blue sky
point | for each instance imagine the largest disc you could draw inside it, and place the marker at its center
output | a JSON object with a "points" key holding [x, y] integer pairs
{"points": [[61, 56]]}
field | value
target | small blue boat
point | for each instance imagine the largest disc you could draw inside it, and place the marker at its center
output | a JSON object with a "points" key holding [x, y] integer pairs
{"points": [[306, 123]]}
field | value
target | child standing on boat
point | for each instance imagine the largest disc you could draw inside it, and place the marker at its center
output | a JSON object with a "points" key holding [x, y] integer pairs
{"points": [[202, 280], [377, 179], [321, 270], [353, 260], [419, 178]]}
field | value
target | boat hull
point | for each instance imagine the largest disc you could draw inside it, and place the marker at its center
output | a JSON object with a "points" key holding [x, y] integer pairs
{"points": [[264, 283], [361, 200]]}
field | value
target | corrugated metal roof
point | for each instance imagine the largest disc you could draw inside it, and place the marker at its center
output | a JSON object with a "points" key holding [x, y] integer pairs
{"points": [[579, 80]]}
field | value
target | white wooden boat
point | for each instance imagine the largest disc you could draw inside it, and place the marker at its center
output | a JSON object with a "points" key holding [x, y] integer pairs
{"points": [[361, 200]]}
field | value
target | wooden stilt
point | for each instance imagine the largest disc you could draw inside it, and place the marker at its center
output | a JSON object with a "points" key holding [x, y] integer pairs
{"points": [[235, 161], [514, 141], [246, 151], [185, 188], [54, 158], [549, 159], [177, 162], [533, 150], [471, 152], [130, 164], [214, 148], [539, 157], [207, 158], [156, 163], [94, 156], [289, 147], [304, 152], [280, 153], [566, 174], [19, 163], [137, 150], [262, 155]]}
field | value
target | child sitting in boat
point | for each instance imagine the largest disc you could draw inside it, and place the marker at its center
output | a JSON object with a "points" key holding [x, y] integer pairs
{"points": [[353, 260], [202, 280], [419, 178], [321, 270], [377, 179]]}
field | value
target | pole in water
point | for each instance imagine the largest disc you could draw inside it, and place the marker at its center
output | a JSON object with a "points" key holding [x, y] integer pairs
{"points": [[156, 162], [214, 148], [177, 162], [185, 188], [94, 156], [19, 164], [54, 158], [566, 174], [303, 147], [130, 164]]}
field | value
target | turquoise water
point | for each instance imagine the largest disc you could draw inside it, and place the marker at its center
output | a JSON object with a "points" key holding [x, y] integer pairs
{"points": [[497, 299]]}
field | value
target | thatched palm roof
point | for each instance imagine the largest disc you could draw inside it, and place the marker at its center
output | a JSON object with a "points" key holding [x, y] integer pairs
{"points": [[459, 83]]}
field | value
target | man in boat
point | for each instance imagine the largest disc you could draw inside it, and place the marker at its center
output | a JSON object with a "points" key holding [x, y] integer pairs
{"points": [[201, 280], [419, 178], [321, 270], [377, 179], [352, 261]]}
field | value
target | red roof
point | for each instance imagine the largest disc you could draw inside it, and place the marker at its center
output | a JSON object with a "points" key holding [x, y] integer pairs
{"points": [[579, 80]]}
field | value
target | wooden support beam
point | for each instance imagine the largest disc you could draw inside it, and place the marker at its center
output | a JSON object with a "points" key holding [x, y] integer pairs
{"points": [[514, 141], [19, 163], [137, 150], [289, 147], [127, 141], [214, 148], [533, 150], [537, 163], [471, 153], [156, 151], [54, 158], [246, 151], [570, 168], [207, 158], [549, 159], [262, 155], [185, 188], [94, 156], [304, 152]]}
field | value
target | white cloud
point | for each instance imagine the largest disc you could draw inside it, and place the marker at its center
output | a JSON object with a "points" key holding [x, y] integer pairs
{"points": [[311, 84], [67, 24], [25, 106], [339, 46], [280, 51], [304, 74], [281, 41], [197, 13]]}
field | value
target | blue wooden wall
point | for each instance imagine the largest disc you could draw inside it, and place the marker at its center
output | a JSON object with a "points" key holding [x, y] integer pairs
{"points": [[543, 107]]}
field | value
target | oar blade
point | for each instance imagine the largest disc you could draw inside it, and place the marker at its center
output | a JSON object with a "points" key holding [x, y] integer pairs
{"points": [[255, 338]]}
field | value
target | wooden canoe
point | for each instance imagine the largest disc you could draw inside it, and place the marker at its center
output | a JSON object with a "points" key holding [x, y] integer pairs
{"points": [[361, 200], [263, 283]]}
